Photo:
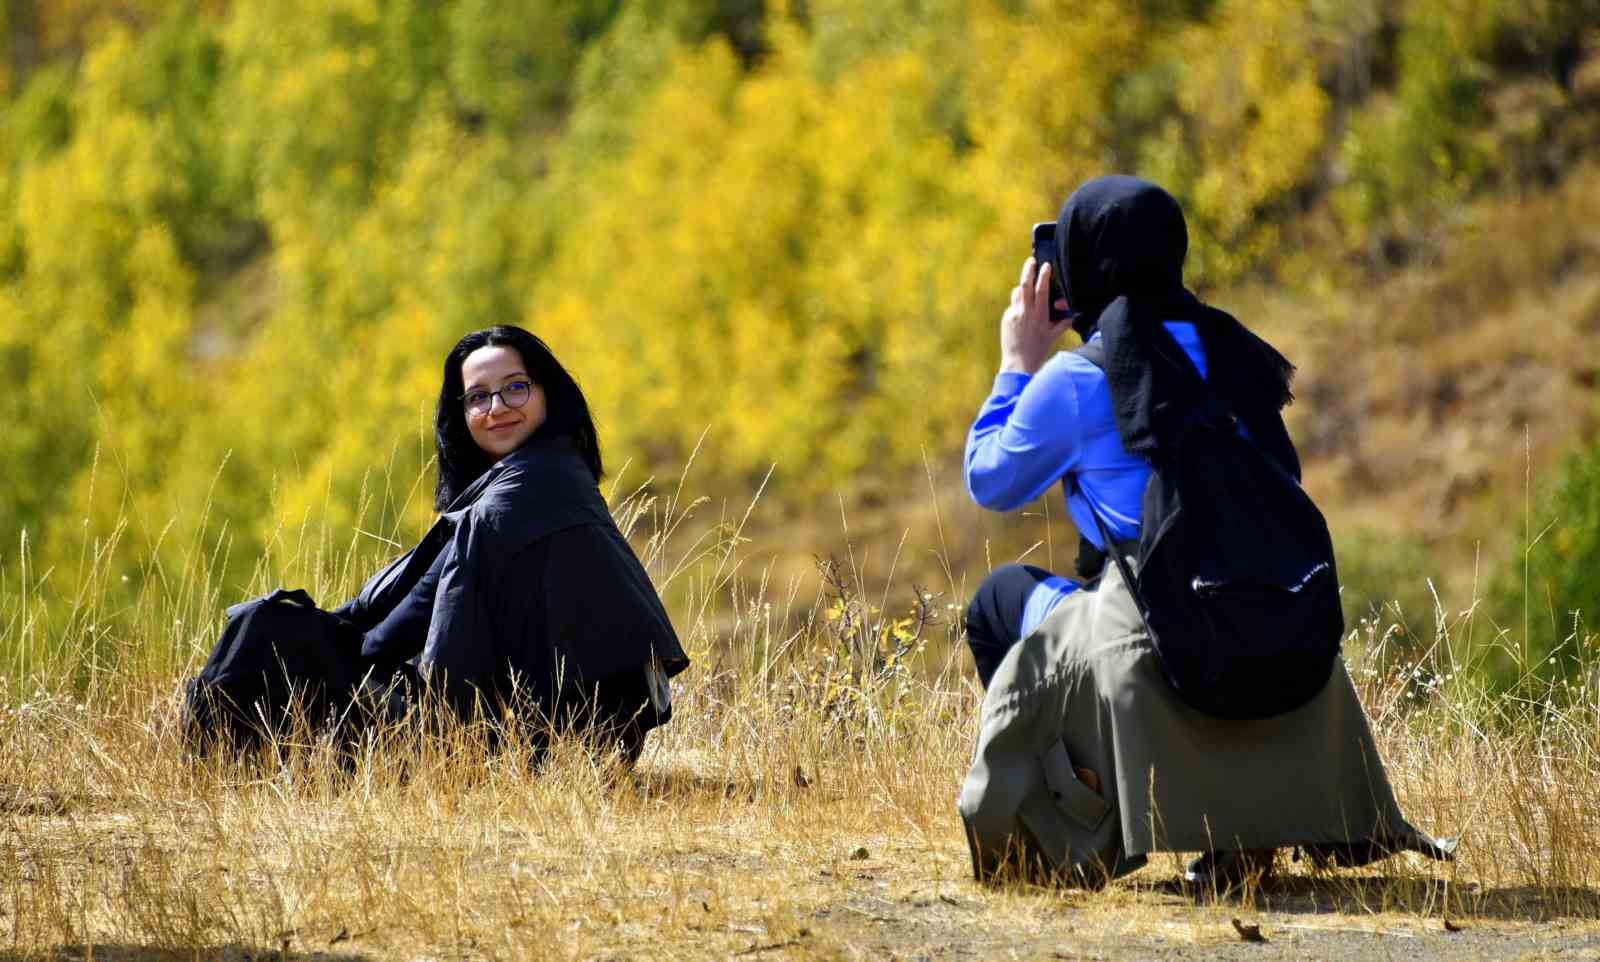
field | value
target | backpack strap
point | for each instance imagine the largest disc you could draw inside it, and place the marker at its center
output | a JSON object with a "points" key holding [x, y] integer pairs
{"points": [[1094, 352], [1091, 560], [1116, 555]]}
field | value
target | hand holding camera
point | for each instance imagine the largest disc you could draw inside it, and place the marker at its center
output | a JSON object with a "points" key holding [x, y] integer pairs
{"points": [[1044, 252], [1038, 311]]}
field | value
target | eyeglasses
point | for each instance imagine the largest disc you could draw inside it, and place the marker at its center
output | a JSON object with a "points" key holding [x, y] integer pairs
{"points": [[513, 395]]}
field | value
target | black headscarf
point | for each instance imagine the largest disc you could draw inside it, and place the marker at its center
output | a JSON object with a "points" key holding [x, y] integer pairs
{"points": [[1120, 246]]}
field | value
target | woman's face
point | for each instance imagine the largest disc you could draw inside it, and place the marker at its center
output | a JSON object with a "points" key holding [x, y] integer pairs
{"points": [[494, 380]]}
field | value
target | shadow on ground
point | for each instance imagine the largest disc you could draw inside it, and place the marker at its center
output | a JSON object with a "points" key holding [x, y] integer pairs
{"points": [[1364, 894], [684, 785], [145, 953], [17, 800]]}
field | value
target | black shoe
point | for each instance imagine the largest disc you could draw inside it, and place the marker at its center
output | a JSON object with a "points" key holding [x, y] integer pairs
{"points": [[1220, 871]]}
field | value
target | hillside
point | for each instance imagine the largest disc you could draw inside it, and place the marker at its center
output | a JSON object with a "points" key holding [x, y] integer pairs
{"points": [[236, 236], [772, 239], [1435, 400]]}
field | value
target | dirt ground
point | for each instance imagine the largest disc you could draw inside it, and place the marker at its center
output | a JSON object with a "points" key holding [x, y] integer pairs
{"points": [[715, 886]]}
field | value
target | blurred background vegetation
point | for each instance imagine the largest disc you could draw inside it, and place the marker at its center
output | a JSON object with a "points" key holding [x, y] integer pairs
{"points": [[238, 236]]}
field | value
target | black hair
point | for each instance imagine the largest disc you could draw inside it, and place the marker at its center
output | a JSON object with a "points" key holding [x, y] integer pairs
{"points": [[461, 461]]}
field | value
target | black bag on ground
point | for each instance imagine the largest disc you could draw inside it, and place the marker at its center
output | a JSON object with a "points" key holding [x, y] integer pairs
{"points": [[278, 655], [1236, 578]]}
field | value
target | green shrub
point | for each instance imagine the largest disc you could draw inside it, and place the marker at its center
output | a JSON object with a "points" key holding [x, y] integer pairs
{"points": [[1385, 578], [1546, 595]]}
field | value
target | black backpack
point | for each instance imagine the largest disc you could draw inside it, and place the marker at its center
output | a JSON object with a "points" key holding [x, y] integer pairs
{"points": [[1236, 578], [278, 654]]}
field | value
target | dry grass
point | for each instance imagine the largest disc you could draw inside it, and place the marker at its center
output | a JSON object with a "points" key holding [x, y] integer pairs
{"points": [[800, 805]]}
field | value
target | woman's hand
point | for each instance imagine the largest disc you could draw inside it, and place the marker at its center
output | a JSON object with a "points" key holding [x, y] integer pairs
{"points": [[1026, 330]]}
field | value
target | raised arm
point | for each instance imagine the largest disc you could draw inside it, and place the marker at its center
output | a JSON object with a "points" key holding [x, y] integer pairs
{"points": [[1025, 437]]}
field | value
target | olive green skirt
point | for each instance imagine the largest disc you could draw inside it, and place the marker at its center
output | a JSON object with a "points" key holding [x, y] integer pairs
{"points": [[1086, 690]]}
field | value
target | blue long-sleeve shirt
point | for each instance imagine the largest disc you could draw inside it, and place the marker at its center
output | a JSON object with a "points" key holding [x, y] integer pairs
{"points": [[1034, 431]]}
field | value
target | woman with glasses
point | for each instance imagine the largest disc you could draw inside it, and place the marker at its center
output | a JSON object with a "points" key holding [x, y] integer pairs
{"points": [[524, 594]]}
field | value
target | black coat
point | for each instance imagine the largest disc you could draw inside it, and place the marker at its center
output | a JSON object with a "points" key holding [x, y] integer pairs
{"points": [[523, 584]]}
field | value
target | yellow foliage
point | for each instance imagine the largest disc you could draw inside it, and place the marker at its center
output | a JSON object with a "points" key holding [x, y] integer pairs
{"points": [[1252, 129], [766, 243], [111, 301], [796, 243]]}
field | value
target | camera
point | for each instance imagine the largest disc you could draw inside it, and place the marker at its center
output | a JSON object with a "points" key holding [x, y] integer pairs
{"points": [[1044, 252]]}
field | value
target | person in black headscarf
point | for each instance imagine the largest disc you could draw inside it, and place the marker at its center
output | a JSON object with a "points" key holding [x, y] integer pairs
{"points": [[1079, 722], [523, 593]]}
